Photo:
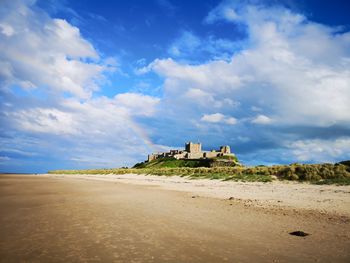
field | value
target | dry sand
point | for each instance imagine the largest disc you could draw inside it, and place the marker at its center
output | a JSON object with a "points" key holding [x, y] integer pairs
{"points": [[135, 218], [322, 198]]}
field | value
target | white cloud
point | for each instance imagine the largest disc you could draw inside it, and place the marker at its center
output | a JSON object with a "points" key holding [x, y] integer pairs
{"points": [[205, 99], [100, 116], [218, 118], [213, 75], [47, 120], [293, 68], [191, 46], [198, 94], [186, 43], [7, 30], [96, 132], [321, 150], [137, 104], [222, 11], [46, 53], [262, 119], [51, 55], [230, 120]]}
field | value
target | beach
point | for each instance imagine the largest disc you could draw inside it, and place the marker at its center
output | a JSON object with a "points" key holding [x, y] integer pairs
{"points": [[139, 218]]}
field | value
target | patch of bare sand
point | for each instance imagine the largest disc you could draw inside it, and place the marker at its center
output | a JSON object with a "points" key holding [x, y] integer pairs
{"points": [[49, 218], [327, 199]]}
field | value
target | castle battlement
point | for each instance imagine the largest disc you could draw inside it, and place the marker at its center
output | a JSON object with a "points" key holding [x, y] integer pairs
{"points": [[192, 151]]}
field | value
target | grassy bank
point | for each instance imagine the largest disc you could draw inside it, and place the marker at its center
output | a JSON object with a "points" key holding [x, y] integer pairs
{"points": [[229, 161], [173, 163], [314, 173]]}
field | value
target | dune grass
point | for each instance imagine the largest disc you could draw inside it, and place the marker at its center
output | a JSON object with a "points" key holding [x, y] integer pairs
{"points": [[315, 173]]}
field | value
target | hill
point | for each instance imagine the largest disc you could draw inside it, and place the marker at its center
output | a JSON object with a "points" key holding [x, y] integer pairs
{"points": [[223, 161]]}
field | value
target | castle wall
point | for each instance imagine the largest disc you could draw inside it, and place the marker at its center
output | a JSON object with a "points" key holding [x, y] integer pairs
{"points": [[180, 155], [195, 155], [211, 154]]}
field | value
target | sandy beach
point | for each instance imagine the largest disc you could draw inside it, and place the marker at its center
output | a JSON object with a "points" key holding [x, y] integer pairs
{"points": [[136, 218]]}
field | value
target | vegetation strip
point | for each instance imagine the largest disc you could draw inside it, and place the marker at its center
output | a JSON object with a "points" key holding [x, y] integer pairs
{"points": [[326, 173]]}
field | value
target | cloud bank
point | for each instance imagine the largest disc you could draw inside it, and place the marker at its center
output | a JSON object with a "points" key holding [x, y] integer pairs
{"points": [[295, 71], [49, 74], [281, 94]]}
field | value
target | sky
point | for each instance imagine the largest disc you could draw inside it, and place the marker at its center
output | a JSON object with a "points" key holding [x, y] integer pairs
{"points": [[101, 84]]}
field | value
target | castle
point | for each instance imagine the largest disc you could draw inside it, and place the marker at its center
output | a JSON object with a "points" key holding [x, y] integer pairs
{"points": [[192, 151]]}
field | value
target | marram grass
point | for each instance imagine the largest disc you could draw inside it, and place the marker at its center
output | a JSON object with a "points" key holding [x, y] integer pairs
{"points": [[314, 173]]}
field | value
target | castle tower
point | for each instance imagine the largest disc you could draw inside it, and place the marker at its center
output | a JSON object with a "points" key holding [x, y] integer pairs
{"points": [[152, 157], [225, 149], [193, 147]]}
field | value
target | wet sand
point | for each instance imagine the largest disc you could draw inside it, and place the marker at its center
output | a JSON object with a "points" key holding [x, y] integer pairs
{"points": [[67, 219]]}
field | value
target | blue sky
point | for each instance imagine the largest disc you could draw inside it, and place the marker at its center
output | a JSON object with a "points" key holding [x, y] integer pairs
{"points": [[90, 84]]}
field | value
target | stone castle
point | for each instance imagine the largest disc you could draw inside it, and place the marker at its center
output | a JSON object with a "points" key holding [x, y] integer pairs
{"points": [[192, 151]]}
